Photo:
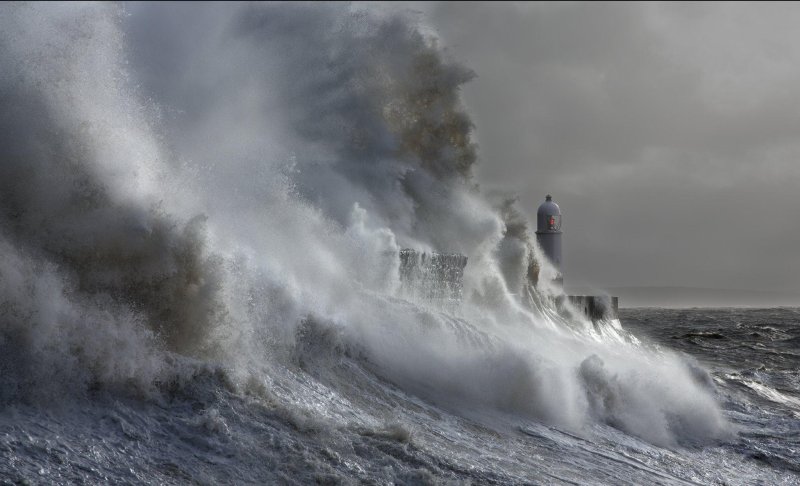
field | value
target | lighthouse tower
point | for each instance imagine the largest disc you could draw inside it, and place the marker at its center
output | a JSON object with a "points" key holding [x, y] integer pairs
{"points": [[548, 232]]}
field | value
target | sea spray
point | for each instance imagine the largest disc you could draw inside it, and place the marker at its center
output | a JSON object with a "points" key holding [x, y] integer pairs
{"points": [[238, 200]]}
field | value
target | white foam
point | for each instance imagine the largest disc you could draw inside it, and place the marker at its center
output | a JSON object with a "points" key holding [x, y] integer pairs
{"points": [[298, 163]]}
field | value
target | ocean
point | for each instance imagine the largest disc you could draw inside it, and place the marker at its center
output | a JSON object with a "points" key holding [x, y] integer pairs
{"points": [[205, 213], [328, 418]]}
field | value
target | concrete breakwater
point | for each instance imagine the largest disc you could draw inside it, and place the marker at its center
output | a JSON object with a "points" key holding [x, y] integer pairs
{"points": [[432, 276]]}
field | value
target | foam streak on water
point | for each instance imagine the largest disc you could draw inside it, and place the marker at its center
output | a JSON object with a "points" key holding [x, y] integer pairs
{"points": [[202, 211]]}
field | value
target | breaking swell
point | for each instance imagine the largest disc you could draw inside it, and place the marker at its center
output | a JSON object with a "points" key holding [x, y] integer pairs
{"points": [[207, 237]]}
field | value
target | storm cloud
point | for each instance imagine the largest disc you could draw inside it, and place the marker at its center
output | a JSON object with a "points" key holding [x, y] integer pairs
{"points": [[668, 133]]}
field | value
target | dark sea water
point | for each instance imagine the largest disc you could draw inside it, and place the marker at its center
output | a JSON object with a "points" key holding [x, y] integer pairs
{"points": [[355, 427], [753, 357]]}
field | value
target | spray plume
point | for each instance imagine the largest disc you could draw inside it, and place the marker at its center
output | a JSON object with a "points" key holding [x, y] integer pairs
{"points": [[239, 195]]}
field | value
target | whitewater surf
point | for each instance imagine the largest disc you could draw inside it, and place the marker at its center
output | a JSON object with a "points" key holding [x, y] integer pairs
{"points": [[202, 212]]}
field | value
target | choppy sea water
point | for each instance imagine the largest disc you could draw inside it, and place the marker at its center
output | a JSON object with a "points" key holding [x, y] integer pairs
{"points": [[753, 356], [356, 427]]}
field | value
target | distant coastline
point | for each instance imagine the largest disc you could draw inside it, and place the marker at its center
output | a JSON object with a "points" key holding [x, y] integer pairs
{"points": [[687, 297]]}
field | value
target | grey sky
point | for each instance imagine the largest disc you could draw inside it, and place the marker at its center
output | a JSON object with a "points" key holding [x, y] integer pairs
{"points": [[668, 133]]}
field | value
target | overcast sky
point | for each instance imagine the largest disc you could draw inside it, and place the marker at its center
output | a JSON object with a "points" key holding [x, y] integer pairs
{"points": [[668, 133]]}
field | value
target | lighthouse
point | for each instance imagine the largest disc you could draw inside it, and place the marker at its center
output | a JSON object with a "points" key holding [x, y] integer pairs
{"points": [[548, 232], [548, 235]]}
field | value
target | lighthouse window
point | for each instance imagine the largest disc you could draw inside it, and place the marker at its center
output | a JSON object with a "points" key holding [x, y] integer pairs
{"points": [[554, 223]]}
